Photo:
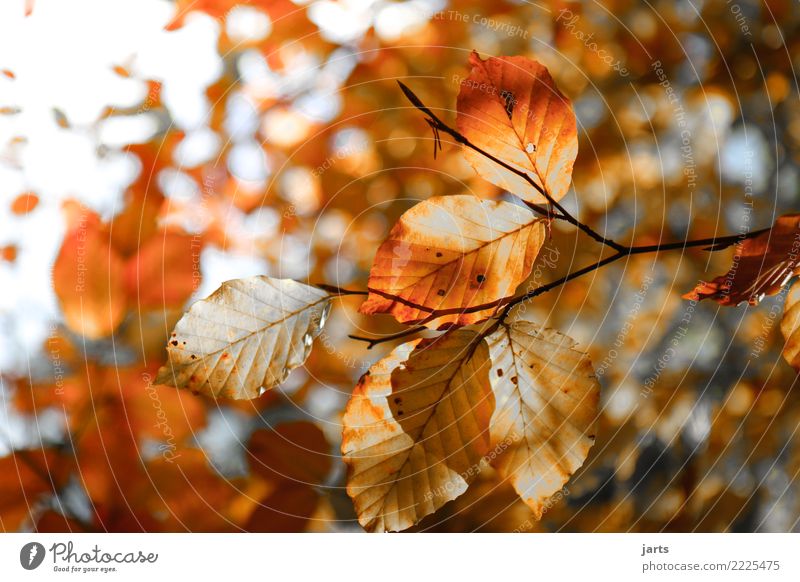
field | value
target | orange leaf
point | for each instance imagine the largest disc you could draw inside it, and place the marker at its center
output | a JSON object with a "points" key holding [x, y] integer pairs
{"points": [[8, 253], [88, 280], [165, 273], [24, 203], [511, 108], [27, 475], [449, 253], [761, 266]]}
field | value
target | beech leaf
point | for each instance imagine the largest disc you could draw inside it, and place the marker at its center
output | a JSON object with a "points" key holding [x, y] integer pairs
{"points": [[546, 397], [449, 253], [245, 337], [416, 429], [511, 108], [790, 326], [762, 265]]}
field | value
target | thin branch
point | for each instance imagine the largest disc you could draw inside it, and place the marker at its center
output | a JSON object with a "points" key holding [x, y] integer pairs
{"points": [[339, 291], [708, 244], [440, 125], [374, 341]]}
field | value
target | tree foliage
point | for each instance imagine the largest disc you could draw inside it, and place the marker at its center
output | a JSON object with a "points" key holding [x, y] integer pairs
{"points": [[510, 410]]}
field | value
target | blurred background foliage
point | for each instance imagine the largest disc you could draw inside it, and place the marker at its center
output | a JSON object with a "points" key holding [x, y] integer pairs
{"points": [[150, 150]]}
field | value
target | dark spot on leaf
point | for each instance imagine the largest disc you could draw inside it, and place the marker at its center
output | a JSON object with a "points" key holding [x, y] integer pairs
{"points": [[510, 101], [481, 278]]}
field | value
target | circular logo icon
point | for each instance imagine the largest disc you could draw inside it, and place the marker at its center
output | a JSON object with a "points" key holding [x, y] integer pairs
{"points": [[31, 555]]}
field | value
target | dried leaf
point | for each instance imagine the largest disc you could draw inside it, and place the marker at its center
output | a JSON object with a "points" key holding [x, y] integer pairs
{"points": [[790, 326], [245, 337], [761, 266], [547, 395], [511, 108], [416, 429], [449, 253]]}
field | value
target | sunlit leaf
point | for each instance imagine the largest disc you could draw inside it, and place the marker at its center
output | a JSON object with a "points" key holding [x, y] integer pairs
{"points": [[449, 253], [790, 326], [245, 337], [416, 429], [511, 108], [547, 395]]}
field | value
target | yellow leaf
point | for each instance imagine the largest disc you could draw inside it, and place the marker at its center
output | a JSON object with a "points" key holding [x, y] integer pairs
{"points": [[416, 429], [546, 395]]}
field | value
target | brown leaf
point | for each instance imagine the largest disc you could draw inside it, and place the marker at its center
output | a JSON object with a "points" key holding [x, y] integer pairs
{"points": [[449, 253], [285, 510], [416, 429], [511, 108], [294, 451], [790, 326], [761, 266]]}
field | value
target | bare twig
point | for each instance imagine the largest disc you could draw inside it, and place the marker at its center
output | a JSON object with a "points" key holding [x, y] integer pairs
{"points": [[339, 291], [374, 341]]}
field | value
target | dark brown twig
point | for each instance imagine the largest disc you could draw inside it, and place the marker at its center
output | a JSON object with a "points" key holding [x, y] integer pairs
{"points": [[374, 341], [339, 291]]}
